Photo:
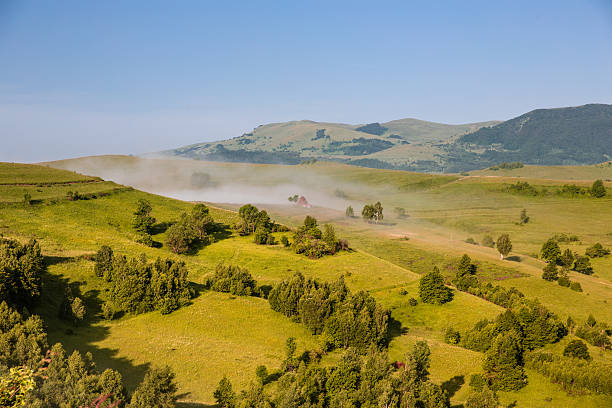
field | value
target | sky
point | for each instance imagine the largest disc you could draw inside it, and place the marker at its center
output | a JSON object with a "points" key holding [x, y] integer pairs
{"points": [[128, 77]]}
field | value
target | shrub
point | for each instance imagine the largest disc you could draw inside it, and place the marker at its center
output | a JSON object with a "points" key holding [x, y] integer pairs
{"points": [[145, 239], [477, 381], [577, 349], [597, 251], [403, 292], [285, 241], [471, 240], [576, 286], [261, 236], [582, 264], [564, 281], [452, 336], [412, 302], [488, 241], [232, 279], [270, 240], [180, 237]]}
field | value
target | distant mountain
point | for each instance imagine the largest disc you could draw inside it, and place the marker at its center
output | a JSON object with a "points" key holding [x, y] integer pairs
{"points": [[562, 136], [404, 144]]}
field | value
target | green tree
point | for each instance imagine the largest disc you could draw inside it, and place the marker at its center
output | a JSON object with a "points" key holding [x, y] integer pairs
{"points": [[432, 288], [504, 245], [104, 261], [261, 372], [224, 394], [27, 198], [452, 336], [598, 190], [179, 238], [78, 310], [200, 220], [550, 251], [503, 362], [597, 251], [143, 221], [582, 264], [350, 213], [418, 360], [158, 389], [566, 259], [549, 272], [465, 267], [329, 237], [248, 216], [577, 349], [373, 212], [486, 398]]}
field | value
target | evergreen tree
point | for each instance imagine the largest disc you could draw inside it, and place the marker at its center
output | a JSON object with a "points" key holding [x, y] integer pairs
{"points": [[566, 259], [503, 362], [550, 251], [350, 213], [104, 261], [549, 272], [432, 288], [577, 349], [598, 190], [158, 389], [524, 216], [504, 245], [143, 221], [224, 394]]}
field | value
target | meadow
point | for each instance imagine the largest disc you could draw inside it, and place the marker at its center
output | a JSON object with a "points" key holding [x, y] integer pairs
{"points": [[222, 334]]}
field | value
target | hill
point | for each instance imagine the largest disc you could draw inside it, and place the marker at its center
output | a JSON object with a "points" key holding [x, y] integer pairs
{"points": [[408, 144], [221, 334], [562, 136]]}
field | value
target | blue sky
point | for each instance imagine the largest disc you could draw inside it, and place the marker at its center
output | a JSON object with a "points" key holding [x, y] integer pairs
{"points": [[84, 77]]}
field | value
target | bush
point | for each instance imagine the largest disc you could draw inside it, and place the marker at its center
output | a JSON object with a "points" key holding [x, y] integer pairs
{"points": [[452, 336], [180, 237], [412, 302], [564, 281], [577, 349], [488, 241], [232, 279], [403, 292], [270, 240], [145, 239], [285, 241], [575, 286], [582, 264], [477, 381], [471, 240], [597, 251], [261, 236]]}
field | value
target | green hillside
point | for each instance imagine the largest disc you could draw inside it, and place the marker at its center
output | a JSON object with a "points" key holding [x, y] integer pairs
{"points": [[221, 334], [575, 135]]}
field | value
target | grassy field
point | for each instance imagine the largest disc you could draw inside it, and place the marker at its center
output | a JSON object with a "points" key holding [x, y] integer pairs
{"points": [[219, 334]]}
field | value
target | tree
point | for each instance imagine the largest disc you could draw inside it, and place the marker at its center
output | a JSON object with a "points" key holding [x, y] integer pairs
{"points": [[432, 288], [27, 198], [504, 245], [452, 336], [179, 238], [143, 221], [597, 251], [486, 398], [465, 267], [524, 216], [598, 190], [104, 261], [503, 362], [261, 372], [349, 212], [577, 349], [582, 264], [248, 215], [200, 220], [566, 259], [329, 237], [549, 272], [418, 360], [158, 389], [550, 251], [372, 212], [224, 394], [78, 310]]}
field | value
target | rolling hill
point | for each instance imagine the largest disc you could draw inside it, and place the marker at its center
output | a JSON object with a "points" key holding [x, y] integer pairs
{"points": [[562, 136]]}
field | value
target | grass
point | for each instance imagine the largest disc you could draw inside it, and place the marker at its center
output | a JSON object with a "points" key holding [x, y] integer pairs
{"points": [[219, 334]]}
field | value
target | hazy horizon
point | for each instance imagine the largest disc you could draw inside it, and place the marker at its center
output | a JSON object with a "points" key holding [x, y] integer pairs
{"points": [[101, 78]]}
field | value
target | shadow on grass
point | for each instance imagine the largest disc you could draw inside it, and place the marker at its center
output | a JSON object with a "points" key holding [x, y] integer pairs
{"points": [[453, 385], [395, 328], [513, 258], [82, 337], [160, 227], [217, 232]]}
